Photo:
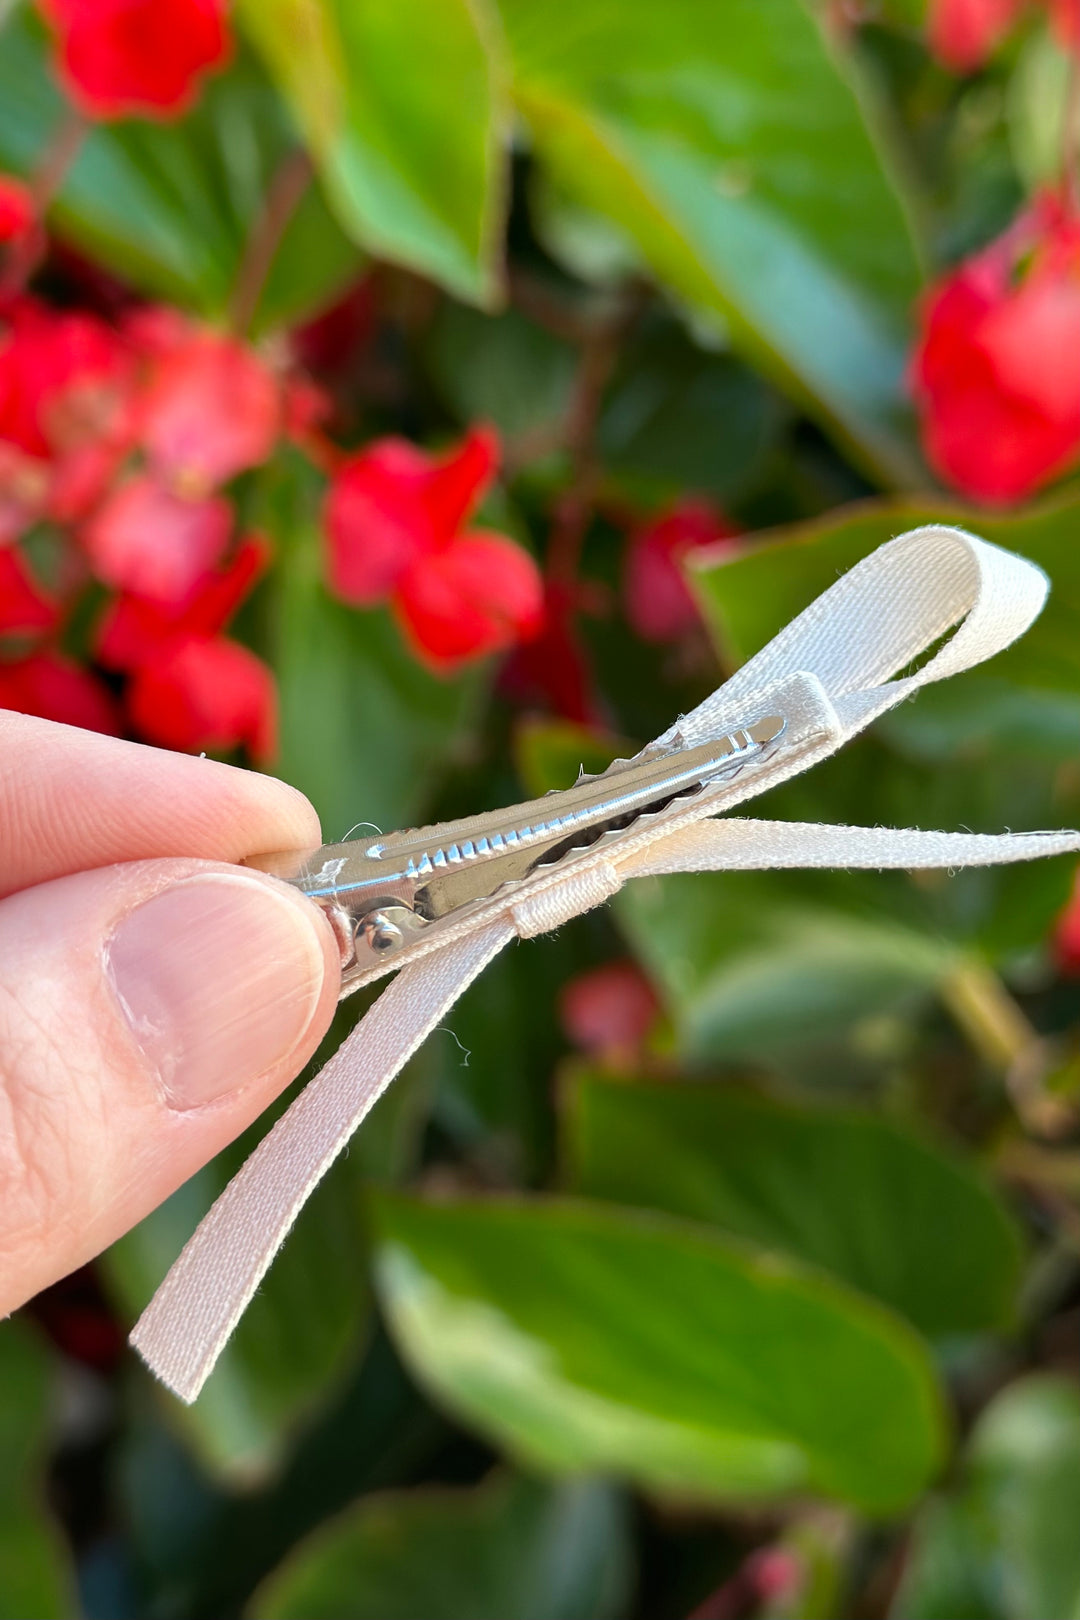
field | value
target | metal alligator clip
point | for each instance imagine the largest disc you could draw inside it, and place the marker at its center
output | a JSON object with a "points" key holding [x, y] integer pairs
{"points": [[384, 895]]}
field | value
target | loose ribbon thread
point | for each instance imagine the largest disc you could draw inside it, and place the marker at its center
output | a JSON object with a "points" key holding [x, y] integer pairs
{"points": [[830, 673]]}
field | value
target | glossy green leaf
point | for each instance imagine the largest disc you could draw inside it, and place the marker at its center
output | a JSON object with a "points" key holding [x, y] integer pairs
{"points": [[502, 369], [752, 962], [678, 419], [297, 1338], [509, 1549], [589, 1338], [1004, 1546], [36, 1577], [402, 107], [550, 753], [365, 727], [170, 207], [850, 1192], [728, 143], [750, 598]]}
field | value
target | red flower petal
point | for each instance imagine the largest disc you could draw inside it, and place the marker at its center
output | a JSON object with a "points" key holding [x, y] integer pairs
{"points": [[609, 1010], [205, 692], [60, 377], [155, 330], [150, 542], [478, 595], [962, 33], [16, 208], [212, 410], [1067, 935], [457, 483], [994, 373], [24, 606], [137, 56], [133, 630], [659, 605], [24, 490], [376, 524], [56, 689], [1065, 17]]}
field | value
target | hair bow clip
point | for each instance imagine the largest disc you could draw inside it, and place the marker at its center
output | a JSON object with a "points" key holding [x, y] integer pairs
{"points": [[436, 905], [406, 886]]}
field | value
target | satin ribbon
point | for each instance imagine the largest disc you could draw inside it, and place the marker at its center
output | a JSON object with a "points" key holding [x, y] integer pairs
{"points": [[830, 674]]}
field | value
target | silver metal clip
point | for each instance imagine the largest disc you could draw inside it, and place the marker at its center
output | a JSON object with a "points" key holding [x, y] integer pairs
{"points": [[383, 895]]}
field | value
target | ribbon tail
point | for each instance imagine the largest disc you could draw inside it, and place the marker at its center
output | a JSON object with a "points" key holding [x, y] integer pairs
{"points": [[190, 1318], [741, 844]]}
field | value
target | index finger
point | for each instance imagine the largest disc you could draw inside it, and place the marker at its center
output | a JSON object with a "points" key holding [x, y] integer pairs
{"points": [[71, 800]]}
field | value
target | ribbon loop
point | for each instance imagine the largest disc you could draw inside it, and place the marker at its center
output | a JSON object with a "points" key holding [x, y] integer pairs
{"points": [[831, 672]]}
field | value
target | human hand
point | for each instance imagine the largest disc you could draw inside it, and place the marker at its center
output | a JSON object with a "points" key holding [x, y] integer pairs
{"points": [[153, 999]]}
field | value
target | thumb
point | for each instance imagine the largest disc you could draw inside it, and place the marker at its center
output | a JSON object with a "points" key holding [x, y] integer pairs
{"points": [[148, 1013]]}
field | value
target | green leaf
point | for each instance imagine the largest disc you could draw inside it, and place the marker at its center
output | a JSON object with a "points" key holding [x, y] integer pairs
{"points": [[550, 753], [509, 1549], [1038, 99], [750, 598], [298, 1336], [402, 107], [754, 962], [589, 1338], [729, 145], [855, 1194], [677, 418], [170, 207], [36, 1577], [502, 369], [365, 728], [1005, 1546]]}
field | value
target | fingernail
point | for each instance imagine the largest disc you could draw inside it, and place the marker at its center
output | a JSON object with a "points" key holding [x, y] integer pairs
{"points": [[218, 977]]}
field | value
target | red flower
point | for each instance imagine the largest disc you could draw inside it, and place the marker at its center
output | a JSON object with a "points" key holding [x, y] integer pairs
{"points": [[55, 364], [137, 56], [205, 692], [394, 520], [212, 409], [54, 688], [995, 372], [24, 607], [963, 33], [16, 208], [1066, 939], [134, 629], [191, 688], [154, 544], [658, 603], [609, 1011], [475, 596], [65, 419]]}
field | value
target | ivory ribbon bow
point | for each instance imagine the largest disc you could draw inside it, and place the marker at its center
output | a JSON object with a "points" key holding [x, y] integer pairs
{"points": [[829, 672]]}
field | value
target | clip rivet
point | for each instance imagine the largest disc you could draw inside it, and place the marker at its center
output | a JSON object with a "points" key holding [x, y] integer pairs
{"points": [[380, 934]]}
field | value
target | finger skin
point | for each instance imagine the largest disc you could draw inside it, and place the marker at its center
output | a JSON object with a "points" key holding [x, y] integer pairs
{"points": [[72, 799], [89, 1142]]}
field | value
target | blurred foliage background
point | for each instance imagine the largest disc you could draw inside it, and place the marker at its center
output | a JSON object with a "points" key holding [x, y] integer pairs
{"points": [[722, 1257]]}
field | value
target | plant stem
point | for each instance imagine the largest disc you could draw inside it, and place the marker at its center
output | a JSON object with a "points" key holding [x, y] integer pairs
{"points": [[1070, 134], [45, 181], [599, 355], [283, 196], [1007, 1042]]}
